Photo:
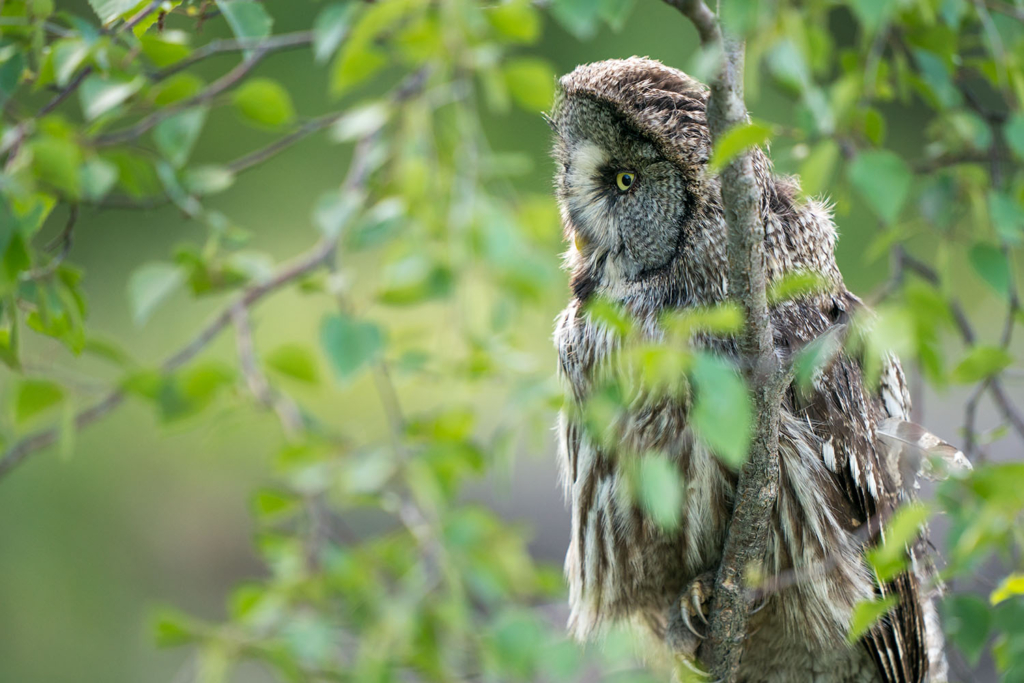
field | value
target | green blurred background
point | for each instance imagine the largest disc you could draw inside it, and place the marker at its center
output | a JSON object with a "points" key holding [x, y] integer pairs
{"points": [[144, 514]]}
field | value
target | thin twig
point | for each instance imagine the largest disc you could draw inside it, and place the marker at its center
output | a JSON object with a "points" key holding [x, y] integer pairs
{"points": [[284, 41], [295, 270], [970, 421], [286, 409], [239, 165], [305, 130], [224, 83], [64, 239]]}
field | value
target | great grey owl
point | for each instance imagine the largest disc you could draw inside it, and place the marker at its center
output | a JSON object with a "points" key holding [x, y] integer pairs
{"points": [[643, 217]]}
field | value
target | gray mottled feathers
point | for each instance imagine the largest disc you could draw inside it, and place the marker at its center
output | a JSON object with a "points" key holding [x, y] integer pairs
{"points": [[846, 450]]}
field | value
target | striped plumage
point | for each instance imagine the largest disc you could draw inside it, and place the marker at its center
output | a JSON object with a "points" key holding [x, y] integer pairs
{"points": [[661, 245]]}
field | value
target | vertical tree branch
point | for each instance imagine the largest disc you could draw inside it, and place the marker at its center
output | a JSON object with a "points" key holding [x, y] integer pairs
{"points": [[757, 487]]}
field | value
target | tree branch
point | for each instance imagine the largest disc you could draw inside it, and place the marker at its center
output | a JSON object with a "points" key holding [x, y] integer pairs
{"points": [[225, 82], [64, 239], [757, 487], [320, 255], [286, 409], [23, 128], [284, 41], [242, 163], [298, 268]]}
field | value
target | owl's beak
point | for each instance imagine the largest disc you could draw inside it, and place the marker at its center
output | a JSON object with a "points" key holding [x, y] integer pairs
{"points": [[579, 241]]}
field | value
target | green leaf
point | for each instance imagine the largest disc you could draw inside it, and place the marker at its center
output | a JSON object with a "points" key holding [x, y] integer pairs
{"points": [[166, 48], [871, 13], [724, 319], [34, 396], [968, 621], [335, 210], [817, 169], [296, 361], [360, 57], [883, 180], [609, 314], [352, 67], [56, 161], [350, 344], [177, 88], [990, 263], [578, 17], [99, 95], [889, 559], [722, 414], [248, 20], [515, 642], [329, 29], [150, 285], [736, 140], [12, 68], [516, 21], [190, 391], [209, 179], [67, 56], [787, 64], [1014, 134], [982, 362], [616, 12], [531, 82], [269, 504], [176, 136], [108, 10], [1012, 584], [1007, 216], [361, 121], [874, 125], [866, 613], [97, 177], [797, 284], [265, 102], [172, 628], [415, 279], [661, 490]]}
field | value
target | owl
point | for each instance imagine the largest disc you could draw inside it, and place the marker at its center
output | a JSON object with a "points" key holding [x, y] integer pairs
{"points": [[642, 214]]}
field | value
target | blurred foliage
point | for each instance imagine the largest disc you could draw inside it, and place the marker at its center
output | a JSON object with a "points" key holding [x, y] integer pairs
{"points": [[428, 258]]}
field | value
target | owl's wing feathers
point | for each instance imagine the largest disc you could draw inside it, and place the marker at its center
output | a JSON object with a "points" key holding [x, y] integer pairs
{"points": [[846, 414], [918, 453]]}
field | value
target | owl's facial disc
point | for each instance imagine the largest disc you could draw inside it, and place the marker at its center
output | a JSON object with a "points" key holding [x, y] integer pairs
{"points": [[586, 199]]}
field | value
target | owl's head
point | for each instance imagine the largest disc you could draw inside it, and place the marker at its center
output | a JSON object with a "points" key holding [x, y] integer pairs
{"points": [[631, 144]]}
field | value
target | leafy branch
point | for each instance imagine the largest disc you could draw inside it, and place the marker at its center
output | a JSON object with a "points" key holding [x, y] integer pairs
{"points": [[236, 312]]}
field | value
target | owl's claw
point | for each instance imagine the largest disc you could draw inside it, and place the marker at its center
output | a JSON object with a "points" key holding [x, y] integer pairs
{"points": [[685, 633], [698, 609], [696, 670], [685, 614]]}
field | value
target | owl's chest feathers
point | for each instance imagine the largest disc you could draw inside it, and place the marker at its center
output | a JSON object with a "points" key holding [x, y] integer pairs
{"points": [[613, 572]]}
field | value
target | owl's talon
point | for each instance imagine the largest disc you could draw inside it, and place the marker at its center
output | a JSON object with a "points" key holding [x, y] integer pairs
{"points": [[689, 625], [698, 609], [697, 671]]}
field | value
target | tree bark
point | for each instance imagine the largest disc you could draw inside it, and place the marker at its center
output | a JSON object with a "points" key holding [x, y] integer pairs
{"points": [[757, 487]]}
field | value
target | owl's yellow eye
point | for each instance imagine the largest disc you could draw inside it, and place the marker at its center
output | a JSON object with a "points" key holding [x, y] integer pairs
{"points": [[624, 180]]}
